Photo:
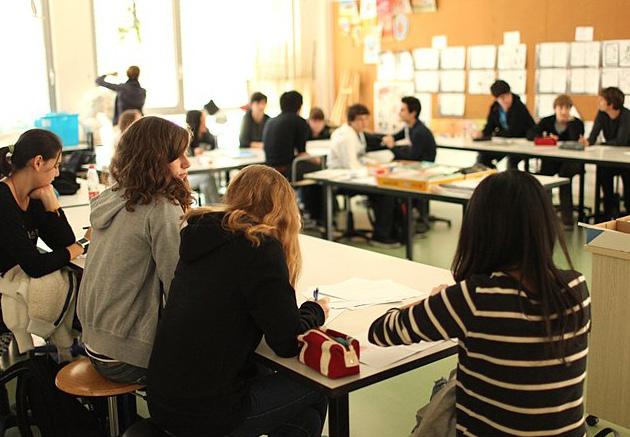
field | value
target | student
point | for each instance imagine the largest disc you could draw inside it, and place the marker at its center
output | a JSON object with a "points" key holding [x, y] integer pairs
{"points": [[613, 120], [284, 138], [134, 249], [522, 324], [508, 117], [202, 140], [318, 130], [124, 121], [561, 126], [129, 95], [348, 142], [253, 122], [220, 322], [29, 208], [421, 141]]}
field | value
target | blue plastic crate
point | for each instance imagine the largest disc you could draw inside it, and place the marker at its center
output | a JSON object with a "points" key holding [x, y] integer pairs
{"points": [[65, 125]]}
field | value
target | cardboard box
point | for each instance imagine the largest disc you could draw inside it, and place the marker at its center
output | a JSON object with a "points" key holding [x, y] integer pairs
{"points": [[613, 235]]}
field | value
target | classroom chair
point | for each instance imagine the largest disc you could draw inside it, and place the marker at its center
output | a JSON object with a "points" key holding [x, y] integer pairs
{"points": [[81, 379], [144, 428]]}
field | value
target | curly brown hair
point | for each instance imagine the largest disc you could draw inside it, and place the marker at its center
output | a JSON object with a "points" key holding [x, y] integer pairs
{"points": [[140, 165]]}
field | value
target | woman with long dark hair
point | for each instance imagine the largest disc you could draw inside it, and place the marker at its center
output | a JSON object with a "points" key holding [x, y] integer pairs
{"points": [[522, 323]]}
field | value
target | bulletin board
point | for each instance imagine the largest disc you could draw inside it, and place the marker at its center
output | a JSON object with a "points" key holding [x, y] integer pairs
{"points": [[478, 22]]}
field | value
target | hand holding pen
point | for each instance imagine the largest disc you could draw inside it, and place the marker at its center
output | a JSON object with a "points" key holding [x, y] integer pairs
{"points": [[322, 302]]}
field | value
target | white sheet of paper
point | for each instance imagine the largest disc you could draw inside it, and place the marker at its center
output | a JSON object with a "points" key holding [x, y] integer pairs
{"points": [[592, 52], [355, 292], [545, 80], [544, 105], [516, 78], [578, 80], [479, 81], [453, 58], [452, 104], [404, 66], [591, 81], [378, 357], [426, 58], [512, 38], [453, 81], [624, 81], [578, 54], [439, 41], [427, 81], [482, 57], [560, 78], [610, 56], [560, 54], [372, 45], [584, 33], [386, 69], [610, 77], [545, 54], [512, 57], [624, 53]]}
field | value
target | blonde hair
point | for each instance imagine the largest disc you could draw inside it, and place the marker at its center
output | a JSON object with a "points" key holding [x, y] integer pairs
{"points": [[260, 202]]}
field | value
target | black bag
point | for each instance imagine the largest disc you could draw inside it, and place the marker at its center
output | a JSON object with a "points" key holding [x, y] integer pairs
{"points": [[66, 183], [55, 413]]}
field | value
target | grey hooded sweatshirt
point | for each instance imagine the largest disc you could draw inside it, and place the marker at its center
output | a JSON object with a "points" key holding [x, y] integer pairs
{"points": [[130, 265]]}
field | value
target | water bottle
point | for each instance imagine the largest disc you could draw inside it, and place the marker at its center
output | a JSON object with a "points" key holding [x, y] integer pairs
{"points": [[92, 182]]}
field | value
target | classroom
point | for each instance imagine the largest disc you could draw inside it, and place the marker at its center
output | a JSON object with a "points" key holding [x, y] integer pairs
{"points": [[307, 218]]}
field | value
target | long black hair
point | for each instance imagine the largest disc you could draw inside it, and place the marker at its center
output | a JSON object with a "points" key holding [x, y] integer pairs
{"points": [[510, 225], [193, 120], [31, 143]]}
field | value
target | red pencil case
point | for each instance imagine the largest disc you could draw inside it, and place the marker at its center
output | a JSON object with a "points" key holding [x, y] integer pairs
{"points": [[545, 141], [331, 353]]}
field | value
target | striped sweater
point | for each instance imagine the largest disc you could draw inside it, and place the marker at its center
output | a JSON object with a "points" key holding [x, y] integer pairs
{"points": [[507, 382]]}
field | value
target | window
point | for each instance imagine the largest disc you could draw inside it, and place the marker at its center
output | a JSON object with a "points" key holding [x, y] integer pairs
{"points": [[139, 32], [24, 83]]}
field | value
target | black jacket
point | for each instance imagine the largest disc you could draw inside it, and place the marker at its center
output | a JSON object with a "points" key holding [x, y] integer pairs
{"points": [[129, 95], [323, 135], [575, 128], [422, 146], [616, 132], [284, 137], [226, 294], [250, 130], [519, 120]]}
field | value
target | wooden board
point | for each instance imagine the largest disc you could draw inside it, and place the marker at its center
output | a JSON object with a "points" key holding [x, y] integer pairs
{"points": [[476, 22]]}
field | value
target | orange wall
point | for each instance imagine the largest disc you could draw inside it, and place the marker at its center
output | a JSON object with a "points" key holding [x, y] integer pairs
{"points": [[476, 22]]}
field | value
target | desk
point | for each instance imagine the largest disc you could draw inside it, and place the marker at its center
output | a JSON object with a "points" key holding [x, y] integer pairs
{"points": [[225, 160], [340, 178], [80, 198], [321, 265], [610, 156]]}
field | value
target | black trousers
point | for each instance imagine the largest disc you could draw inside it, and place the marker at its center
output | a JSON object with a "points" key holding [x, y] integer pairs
{"points": [[487, 158], [606, 177], [550, 167], [384, 216], [312, 196]]}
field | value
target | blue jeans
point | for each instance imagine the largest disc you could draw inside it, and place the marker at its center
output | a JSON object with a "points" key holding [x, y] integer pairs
{"points": [[282, 407]]}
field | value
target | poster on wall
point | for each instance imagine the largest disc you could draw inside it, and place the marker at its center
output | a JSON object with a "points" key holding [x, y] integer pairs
{"points": [[387, 97], [400, 27], [424, 5], [348, 15], [385, 16], [372, 45]]}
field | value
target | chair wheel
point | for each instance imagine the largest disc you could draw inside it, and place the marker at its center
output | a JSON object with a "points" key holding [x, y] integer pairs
{"points": [[592, 420]]}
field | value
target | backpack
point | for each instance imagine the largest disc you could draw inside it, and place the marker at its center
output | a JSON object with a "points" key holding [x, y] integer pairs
{"points": [[66, 183], [55, 413]]}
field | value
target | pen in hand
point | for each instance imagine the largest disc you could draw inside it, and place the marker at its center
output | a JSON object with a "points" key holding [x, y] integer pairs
{"points": [[316, 294]]}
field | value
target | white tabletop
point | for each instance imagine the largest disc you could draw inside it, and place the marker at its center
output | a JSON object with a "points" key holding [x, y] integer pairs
{"points": [[592, 154], [80, 198]]}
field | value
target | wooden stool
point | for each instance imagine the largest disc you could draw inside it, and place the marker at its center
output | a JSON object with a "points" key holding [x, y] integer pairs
{"points": [[80, 378]]}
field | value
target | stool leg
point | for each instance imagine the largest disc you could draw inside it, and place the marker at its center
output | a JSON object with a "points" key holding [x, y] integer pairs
{"points": [[112, 411]]}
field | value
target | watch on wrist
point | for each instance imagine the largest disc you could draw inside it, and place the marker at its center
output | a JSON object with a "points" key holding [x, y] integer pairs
{"points": [[84, 243]]}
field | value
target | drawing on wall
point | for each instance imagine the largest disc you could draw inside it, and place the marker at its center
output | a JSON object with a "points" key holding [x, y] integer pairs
{"points": [[387, 97]]}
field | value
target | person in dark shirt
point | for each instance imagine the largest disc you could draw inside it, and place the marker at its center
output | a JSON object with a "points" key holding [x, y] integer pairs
{"points": [[253, 122], [563, 127], [129, 95], [201, 139], [221, 390], [29, 208], [508, 117], [421, 141], [318, 130], [613, 120]]}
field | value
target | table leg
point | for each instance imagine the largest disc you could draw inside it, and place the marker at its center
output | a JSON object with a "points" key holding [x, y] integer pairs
{"points": [[410, 229], [596, 211], [338, 417], [581, 214], [329, 211], [526, 164]]}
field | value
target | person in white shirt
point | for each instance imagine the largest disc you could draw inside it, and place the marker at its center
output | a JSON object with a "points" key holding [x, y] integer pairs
{"points": [[348, 141]]}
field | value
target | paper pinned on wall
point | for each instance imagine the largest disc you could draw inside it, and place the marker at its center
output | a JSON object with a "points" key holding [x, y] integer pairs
{"points": [[404, 66], [610, 77], [584, 33], [479, 81], [624, 53], [545, 80], [372, 44], [545, 54], [560, 79], [367, 10], [482, 57], [439, 42], [584, 81], [610, 56], [426, 58], [512, 38], [453, 58], [512, 57], [578, 54], [560, 54], [427, 82], [592, 52], [544, 105], [453, 105], [387, 97], [386, 69], [453, 81], [624, 81], [516, 78]]}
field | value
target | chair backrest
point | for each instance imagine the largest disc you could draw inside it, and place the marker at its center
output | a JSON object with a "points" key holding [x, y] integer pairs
{"points": [[144, 428]]}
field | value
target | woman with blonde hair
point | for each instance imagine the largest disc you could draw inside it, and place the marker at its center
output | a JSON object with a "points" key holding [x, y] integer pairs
{"points": [[234, 283], [135, 238]]}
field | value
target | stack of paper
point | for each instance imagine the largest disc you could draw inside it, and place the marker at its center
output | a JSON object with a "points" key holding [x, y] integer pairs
{"points": [[378, 357]]}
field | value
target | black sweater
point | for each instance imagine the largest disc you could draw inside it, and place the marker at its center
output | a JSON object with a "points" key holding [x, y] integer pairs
{"points": [[616, 132], [250, 130], [129, 95], [575, 129], [422, 147], [226, 294], [283, 137], [519, 120], [19, 231]]}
